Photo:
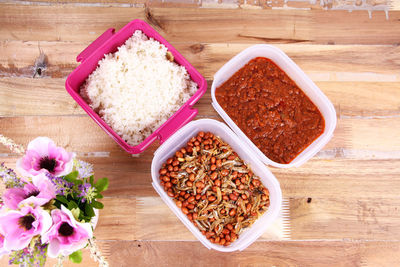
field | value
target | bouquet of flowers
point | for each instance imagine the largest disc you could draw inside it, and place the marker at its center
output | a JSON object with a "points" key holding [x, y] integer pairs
{"points": [[49, 207]]}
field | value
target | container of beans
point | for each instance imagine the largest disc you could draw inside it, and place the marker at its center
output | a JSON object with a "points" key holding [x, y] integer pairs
{"points": [[234, 190], [273, 107]]}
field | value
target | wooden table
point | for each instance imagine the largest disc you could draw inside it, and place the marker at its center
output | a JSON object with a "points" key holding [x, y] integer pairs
{"points": [[344, 203]]}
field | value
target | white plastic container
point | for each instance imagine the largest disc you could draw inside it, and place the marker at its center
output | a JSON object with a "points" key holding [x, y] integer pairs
{"points": [[303, 82], [179, 139]]}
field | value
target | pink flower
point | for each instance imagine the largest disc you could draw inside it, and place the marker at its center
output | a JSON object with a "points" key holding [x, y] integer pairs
{"points": [[19, 226], [66, 235], [38, 193], [43, 156], [3, 250]]}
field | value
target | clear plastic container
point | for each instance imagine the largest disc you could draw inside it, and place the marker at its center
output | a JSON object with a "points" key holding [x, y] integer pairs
{"points": [[179, 139], [299, 77]]}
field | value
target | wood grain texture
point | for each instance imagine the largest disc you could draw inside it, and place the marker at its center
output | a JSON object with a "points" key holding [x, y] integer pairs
{"points": [[258, 254], [343, 202], [283, 253], [362, 100], [350, 218], [372, 5], [83, 23], [81, 134], [327, 178], [371, 63]]}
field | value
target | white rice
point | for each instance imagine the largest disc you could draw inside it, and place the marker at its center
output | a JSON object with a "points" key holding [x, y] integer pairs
{"points": [[137, 89]]}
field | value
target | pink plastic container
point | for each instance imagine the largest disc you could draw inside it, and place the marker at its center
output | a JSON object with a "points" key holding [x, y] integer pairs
{"points": [[108, 42]]}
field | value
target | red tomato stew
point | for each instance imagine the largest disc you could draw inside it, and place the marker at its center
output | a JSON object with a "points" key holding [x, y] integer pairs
{"points": [[271, 110]]}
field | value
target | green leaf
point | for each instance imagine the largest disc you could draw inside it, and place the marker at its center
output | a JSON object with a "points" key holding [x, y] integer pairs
{"points": [[89, 210], [72, 205], [76, 257], [91, 180], [98, 195], [62, 199], [71, 177], [58, 204], [101, 184], [97, 205], [75, 212]]}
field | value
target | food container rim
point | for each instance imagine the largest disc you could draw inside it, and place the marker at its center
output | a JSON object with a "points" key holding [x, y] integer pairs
{"points": [[287, 65], [261, 223], [101, 46]]}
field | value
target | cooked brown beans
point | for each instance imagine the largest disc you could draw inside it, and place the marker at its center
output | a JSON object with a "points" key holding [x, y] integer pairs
{"points": [[207, 172], [224, 172], [211, 198], [185, 210], [232, 212], [233, 197]]}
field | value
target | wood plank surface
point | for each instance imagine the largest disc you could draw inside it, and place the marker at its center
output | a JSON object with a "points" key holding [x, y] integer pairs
{"points": [[322, 62], [259, 254], [282, 253], [350, 134], [350, 178], [343, 204], [83, 23], [349, 5], [351, 218], [351, 99]]}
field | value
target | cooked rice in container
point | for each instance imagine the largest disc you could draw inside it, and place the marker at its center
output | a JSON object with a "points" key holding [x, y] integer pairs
{"points": [[136, 89]]}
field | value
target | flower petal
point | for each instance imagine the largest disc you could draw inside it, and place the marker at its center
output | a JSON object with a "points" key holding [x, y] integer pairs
{"points": [[70, 216], [53, 249], [41, 145], [44, 147], [74, 247], [14, 239], [68, 166], [16, 236], [46, 222], [67, 244], [46, 187], [13, 196]]}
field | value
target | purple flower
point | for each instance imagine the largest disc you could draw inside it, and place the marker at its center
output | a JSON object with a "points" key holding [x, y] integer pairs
{"points": [[20, 226], [63, 187], [84, 190], [43, 156], [32, 255], [9, 177], [38, 193], [66, 235], [84, 169]]}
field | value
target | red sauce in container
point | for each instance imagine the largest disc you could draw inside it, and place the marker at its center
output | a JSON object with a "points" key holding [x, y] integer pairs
{"points": [[271, 110]]}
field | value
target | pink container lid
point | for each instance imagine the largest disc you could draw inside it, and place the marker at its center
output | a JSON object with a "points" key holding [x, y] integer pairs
{"points": [[109, 42]]}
